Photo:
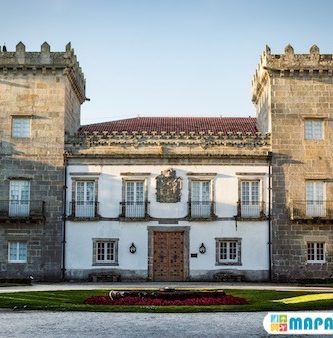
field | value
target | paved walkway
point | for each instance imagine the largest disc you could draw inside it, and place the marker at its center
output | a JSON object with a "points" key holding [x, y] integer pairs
{"points": [[135, 325], [147, 285]]}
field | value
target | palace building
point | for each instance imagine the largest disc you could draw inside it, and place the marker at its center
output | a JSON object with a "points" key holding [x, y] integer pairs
{"points": [[165, 198], [188, 195]]}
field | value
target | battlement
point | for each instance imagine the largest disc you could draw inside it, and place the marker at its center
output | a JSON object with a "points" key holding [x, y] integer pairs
{"points": [[290, 64], [45, 62]]}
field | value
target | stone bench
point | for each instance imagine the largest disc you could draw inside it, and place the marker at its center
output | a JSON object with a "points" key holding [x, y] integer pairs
{"points": [[104, 277], [229, 277]]}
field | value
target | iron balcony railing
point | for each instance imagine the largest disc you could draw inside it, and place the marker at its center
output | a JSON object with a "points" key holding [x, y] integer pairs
{"points": [[201, 209], [21, 208], [253, 209], [308, 209], [134, 210], [83, 209]]}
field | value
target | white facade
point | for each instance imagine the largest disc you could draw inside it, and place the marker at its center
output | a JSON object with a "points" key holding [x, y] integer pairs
{"points": [[250, 232]]}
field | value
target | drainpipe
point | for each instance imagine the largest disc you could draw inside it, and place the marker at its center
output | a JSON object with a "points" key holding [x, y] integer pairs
{"points": [[63, 270], [269, 159]]}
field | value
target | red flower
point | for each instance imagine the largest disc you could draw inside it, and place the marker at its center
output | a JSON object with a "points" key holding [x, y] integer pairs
{"points": [[130, 300]]}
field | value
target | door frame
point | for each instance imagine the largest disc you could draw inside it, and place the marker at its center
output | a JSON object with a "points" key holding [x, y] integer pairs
{"points": [[185, 230]]}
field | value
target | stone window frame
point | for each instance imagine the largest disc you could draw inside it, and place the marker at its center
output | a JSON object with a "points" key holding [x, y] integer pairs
{"points": [[115, 241], [16, 241], [248, 176], [85, 177], [238, 240], [27, 117], [202, 177], [312, 238], [314, 118]]}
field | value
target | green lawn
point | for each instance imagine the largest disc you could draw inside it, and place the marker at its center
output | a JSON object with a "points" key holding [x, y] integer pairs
{"points": [[258, 301]]}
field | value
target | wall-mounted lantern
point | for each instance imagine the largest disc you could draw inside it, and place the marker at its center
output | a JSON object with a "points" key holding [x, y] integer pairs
{"points": [[202, 248], [132, 248]]}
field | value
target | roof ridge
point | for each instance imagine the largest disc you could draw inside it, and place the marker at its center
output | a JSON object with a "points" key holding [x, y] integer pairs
{"points": [[171, 117]]}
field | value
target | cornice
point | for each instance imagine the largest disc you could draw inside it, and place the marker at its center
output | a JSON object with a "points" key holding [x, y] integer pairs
{"points": [[204, 140]]}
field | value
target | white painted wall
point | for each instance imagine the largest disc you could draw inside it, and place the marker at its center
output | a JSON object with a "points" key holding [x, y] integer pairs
{"points": [[254, 234], [79, 243], [110, 187], [80, 236], [254, 248]]}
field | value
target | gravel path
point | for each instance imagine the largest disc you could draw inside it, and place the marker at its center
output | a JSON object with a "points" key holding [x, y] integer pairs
{"points": [[96, 324]]}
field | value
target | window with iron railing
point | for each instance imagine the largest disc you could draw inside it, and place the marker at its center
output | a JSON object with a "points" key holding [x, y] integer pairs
{"points": [[311, 209], [250, 204], [201, 204], [15, 209], [134, 205], [19, 203], [84, 205], [315, 199]]}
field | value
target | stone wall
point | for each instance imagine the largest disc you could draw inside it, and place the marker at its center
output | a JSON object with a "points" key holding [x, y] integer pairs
{"points": [[72, 110], [40, 86], [301, 87]]}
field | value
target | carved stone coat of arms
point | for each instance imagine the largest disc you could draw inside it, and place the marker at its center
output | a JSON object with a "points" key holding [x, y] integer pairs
{"points": [[168, 187]]}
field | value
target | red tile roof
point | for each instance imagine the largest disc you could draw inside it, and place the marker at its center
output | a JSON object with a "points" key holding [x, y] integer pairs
{"points": [[176, 124]]}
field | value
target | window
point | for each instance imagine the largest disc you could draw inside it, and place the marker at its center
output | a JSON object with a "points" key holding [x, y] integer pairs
{"points": [[313, 129], [17, 252], [315, 199], [85, 199], [105, 251], [21, 127], [250, 204], [200, 198], [19, 200], [135, 206], [228, 251], [316, 252]]}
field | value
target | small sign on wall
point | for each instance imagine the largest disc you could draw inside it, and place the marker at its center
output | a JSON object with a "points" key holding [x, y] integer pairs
{"points": [[194, 255]]}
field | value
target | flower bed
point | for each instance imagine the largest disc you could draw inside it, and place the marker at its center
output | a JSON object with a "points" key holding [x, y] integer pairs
{"points": [[136, 300]]}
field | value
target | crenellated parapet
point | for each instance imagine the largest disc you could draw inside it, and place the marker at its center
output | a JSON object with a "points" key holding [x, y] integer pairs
{"points": [[44, 62], [290, 64], [116, 143]]}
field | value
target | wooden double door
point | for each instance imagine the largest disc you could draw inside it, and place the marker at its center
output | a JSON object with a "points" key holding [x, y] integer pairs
{"points": [[168, 256]]}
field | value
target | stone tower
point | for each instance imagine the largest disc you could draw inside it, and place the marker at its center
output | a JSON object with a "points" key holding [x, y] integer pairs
{"points": [[293, 95], [40, 98]]}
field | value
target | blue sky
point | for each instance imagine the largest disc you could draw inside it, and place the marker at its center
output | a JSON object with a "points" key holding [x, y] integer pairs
{"points": [[168, 57]]}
